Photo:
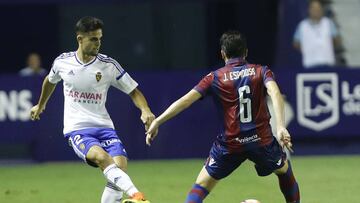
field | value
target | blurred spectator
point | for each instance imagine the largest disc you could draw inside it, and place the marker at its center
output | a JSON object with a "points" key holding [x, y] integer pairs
{"points": [[339, 48], [316, 37], [33, 66]]}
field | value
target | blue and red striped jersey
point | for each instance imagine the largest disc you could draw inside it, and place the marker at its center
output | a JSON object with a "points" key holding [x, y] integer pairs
{"points": [[239, 92]]}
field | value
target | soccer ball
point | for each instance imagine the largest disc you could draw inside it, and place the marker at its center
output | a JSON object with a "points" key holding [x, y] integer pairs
{"points": [[251, 201]]}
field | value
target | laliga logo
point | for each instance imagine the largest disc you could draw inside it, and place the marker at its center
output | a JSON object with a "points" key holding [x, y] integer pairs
{"points": [[15, 105], [317, 100]]}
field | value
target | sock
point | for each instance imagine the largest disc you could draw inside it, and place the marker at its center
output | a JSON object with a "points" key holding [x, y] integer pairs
{"points": [[111, 194], [289, 186], [197, 194], [119, 178]]}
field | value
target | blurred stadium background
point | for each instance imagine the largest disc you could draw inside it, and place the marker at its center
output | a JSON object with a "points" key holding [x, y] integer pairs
{"points": [[167, 46]]}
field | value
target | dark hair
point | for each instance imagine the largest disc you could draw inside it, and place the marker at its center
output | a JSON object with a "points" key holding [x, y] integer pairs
{"points": [[88, 24], [233, 43]]}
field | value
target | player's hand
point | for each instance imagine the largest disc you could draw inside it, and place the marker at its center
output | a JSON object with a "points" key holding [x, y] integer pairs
{"points": [[284, 139], [147, 118], [152, 132], [35, 112]]}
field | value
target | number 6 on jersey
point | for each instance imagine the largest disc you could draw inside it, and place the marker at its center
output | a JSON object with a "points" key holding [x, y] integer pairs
{"points": [[245, 105]]}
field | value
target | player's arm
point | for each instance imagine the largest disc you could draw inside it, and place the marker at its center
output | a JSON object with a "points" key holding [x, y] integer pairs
{"points": [[278, 104], [174, 109], [46, 91], [140, 102]]}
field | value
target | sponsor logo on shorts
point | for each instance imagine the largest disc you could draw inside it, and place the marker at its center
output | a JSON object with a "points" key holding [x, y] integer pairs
{"points": [[249, 139], [110, 142], [211, 162]]}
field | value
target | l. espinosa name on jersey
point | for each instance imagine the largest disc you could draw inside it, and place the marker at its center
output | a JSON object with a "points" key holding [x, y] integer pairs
{"points": [[234, 75], [85, 97]]}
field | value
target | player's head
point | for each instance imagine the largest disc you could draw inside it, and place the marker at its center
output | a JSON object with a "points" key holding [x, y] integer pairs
{"points": [[88, 34], [315, 9], [233, 45]]}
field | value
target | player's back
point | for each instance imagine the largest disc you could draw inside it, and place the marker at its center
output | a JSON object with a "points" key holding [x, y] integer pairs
{"points": [[239, 93]]}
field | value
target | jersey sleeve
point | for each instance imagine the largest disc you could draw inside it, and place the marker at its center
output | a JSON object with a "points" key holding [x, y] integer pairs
{"points": [[122, 80], [54, 74], [268, 75], [204, 86]]}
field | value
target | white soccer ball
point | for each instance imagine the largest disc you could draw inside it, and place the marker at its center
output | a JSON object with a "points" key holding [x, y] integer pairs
{"points": [[251, 201]]}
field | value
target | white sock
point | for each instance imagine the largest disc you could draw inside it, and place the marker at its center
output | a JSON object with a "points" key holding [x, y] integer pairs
{"points": [[119, 178], [111, 194]]}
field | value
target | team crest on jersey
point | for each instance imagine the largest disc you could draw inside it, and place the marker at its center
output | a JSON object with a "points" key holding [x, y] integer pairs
{"points": [[98, 76], [82, 146]]}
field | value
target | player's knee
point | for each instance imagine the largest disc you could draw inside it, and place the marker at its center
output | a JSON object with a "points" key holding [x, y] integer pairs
{"points": [[206, 181], [102, 157], [99, 158]]}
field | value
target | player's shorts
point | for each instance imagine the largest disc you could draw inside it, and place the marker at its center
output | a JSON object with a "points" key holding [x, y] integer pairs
{"points": [[82, 140], [267, 159]]}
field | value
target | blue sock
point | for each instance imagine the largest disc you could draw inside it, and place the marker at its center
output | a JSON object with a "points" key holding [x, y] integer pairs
{"points": [[197, 194]]}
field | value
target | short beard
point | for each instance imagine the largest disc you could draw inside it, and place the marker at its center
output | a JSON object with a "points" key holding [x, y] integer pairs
{"points": [[90, 53], [93, 54]]}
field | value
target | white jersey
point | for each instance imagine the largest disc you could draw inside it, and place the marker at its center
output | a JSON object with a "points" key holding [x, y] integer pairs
{"points": [[86, 87]]}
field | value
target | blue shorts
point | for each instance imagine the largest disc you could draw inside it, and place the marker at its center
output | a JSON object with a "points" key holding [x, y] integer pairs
{"points": [[82, 140], [267, 159]]}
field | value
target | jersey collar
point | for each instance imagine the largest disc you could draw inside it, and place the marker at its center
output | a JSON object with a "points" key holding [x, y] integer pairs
{"points": [[236, 61], [81, 63]]}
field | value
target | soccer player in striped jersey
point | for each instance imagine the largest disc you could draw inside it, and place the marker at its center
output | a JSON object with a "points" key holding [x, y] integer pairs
{"points": [[239, 92], [87, 76]]}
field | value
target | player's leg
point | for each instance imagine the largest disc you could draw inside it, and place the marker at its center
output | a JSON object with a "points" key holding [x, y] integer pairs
{"points": [[111, 193], [205, 180], [98, 156], [271, 159], [203, 185], [121, 162], [88, 147], [216, 167], [112, 172], [115, 148], [288, 185]]}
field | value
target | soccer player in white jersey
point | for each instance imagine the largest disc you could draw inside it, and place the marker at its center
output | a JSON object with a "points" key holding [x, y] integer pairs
{"points": [[87, 76]]}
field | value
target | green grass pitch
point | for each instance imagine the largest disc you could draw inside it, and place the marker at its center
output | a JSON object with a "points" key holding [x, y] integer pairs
{"points": [[323, 179]]}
